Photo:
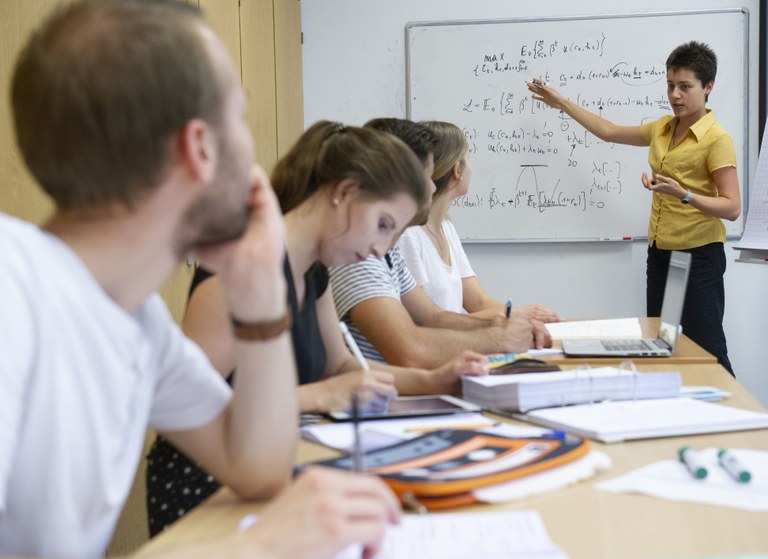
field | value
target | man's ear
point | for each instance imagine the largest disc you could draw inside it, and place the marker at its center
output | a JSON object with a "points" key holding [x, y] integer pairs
{"points": [[197, 149]]}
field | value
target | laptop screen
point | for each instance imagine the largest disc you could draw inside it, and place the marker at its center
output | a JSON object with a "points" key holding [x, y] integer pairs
{"points": [[674, 297]]}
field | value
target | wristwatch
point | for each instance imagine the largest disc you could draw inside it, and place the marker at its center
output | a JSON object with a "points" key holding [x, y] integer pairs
{"points": [[687, 199]]}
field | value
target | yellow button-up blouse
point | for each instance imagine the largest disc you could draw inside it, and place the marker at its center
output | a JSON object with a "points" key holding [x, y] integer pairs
{"points": [[704, 149]]}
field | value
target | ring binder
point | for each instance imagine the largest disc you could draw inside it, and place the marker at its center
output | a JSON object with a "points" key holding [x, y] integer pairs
{"points": [[588, 370], [560, 389], [629, 365]]}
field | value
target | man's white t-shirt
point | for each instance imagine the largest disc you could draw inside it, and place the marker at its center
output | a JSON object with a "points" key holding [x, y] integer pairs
{"points": [[81, 380], [441, 282]]}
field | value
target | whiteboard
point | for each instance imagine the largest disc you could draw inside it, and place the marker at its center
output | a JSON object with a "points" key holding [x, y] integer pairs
{"points": [[537, 174]]}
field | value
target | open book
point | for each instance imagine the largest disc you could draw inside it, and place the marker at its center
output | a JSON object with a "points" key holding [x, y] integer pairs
{"points": [[523, 392], [613, 328]]}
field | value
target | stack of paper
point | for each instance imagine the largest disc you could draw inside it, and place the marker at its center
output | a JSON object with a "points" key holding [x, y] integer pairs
{"points": [[620, 421], [523, 392], [614, 328]]}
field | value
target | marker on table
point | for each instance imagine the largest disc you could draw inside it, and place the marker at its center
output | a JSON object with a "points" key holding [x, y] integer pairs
{"points": [[692, 461], [508, 308], [734, 468]]}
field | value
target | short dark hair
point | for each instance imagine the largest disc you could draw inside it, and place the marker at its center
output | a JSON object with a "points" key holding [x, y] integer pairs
{"points": [[696, 57], [419, 138], [100, 89]]}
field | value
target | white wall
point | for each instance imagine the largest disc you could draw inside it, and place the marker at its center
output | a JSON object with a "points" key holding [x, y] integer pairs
{"points": [[354, 69]]}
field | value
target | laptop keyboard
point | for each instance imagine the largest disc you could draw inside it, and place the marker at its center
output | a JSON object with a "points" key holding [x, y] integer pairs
{"points": [[630, 345]]}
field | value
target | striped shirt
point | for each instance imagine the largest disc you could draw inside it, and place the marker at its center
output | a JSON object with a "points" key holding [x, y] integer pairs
{"points": [[374, 277]]}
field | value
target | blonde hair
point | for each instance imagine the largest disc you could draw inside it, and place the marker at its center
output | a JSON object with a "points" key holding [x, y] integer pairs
{"points": [[451, 149]]}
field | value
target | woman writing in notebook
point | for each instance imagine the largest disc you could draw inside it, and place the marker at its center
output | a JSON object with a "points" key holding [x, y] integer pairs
{"points": [[433, 251], [346, 193], [694, 185]]}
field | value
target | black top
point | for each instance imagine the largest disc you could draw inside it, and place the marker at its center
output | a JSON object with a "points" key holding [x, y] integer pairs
{"points": [[308, 347], [175, 484]]}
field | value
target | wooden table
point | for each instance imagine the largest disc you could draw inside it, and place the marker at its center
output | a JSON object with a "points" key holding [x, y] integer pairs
{"points": [[687, 351], [585, 522]]}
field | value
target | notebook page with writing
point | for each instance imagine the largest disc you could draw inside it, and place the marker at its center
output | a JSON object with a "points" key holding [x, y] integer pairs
{"points": [[476, 535]]}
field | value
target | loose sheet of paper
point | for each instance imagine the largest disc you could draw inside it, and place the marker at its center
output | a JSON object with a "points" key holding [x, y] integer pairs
{"points": [[627, 420], [477, 535], [670, 479], [380, 433]]}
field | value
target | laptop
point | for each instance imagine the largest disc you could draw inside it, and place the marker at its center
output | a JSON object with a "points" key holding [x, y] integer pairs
{"points": [[669, 325]]}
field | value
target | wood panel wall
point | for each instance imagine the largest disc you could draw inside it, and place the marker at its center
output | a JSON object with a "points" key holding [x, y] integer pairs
{"points": [[264, 38]]}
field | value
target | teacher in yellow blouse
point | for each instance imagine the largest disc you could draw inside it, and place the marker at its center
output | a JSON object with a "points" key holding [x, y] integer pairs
{"points": [[694, 185]]}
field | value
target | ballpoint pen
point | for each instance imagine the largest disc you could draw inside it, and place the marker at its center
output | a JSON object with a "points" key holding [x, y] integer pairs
{"points": [[376, 404], [508, 308], [352, 345]]}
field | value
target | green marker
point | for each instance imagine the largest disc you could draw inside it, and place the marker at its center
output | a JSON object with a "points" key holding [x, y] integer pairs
{"points": [[692, 462], [734, 468]]}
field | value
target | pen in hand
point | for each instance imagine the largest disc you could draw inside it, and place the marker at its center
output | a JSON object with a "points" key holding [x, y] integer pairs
{"points": [[508, 308], [352, 345], [376, 403]]}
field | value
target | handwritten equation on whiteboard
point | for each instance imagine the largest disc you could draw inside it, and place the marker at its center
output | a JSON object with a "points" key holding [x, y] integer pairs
{"points": [[537, 173], [552, 133]]}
